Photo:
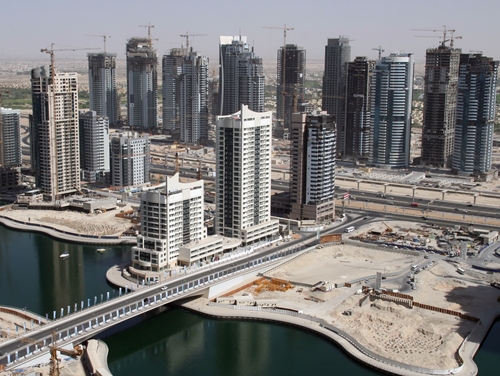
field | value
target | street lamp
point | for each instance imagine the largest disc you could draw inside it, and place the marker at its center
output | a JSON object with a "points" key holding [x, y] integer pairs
{"points": [[430, 202]]}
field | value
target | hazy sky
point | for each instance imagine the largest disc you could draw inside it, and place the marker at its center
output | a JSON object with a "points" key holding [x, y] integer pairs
{"points": [[28, 26]]}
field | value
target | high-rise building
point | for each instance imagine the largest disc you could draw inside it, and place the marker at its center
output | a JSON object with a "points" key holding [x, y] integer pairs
{"points": [[337, 55], [241, 76], [243, 176], [391, 101], [194, 99], [54, 135], [94, 147], [170, 219], [10, 138], [185, 95], [130, 159], [440, 104], [171, 75], [475, 119], [142, 84], [357, 143], [312, 178], [290, 82], [104, 98]]}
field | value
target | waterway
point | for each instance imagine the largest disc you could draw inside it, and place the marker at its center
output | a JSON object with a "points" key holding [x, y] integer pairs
{"points": [[174, 342]]}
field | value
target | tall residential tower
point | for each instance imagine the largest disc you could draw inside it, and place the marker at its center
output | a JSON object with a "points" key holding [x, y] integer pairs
{"points": [[312, 179], [440, 105], [475, 119], [241, 76], [337, 55], [391, 100], [94, 147], [142, 84], [243, 182], [10, 138], [104, 98], [54, 135]]}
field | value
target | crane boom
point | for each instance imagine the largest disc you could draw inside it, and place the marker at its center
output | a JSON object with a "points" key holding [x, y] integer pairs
{"points": [[380, 50], [445, 31], [103, 37], [187, 35], [148, 26]]}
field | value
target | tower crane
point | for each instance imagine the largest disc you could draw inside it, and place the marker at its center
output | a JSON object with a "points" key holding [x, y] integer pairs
{"points": [[187, 35], [51, 51], [283, 64], [102, 36], [149, 26], [380, 50], [445, 31]]}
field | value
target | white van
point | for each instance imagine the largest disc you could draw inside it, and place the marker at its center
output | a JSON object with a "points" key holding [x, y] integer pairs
{"points": [[460, 271], [350, 229]]}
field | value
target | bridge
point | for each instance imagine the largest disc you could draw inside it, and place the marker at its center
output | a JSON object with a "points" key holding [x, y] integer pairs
{"points": [[80, 325]]}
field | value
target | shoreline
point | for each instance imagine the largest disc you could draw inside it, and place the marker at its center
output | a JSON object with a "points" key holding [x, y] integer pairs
{"points": [[62, 235], [355, 351]]}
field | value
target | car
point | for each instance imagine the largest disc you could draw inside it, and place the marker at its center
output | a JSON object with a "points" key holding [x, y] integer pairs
{"points": [[390, 198], [365, 218], [424, 218], [415, 204], [469, 204], [426, 257], [457, 209], [391, 203]]}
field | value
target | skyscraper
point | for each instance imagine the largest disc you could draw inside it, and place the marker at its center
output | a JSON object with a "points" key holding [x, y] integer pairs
{"points": [[142, 84], [290, 82], [357, 142], [440, 104], [312, 179], [391, 96], [243, 179], [10, 138], [130, 159], [94, 147], [337, 54], [104, 98], [193, 99], [241, 76], [54, 135], [475, 119], [171, 73]]}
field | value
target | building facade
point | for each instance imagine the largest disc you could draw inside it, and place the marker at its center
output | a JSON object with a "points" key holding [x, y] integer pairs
{"points": [[357, 141], [241, 76], [94, 147], [391, 104], [290, 82], [10, 138], [312, 172], [54, 132], [337, 55], [169, 219], [129, 159], [243, 176], [440, 105], [142, 84], [475, 119], [104, 98], [171, 73]]}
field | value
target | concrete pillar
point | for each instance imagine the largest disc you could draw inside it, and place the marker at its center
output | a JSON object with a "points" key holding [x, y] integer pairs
{"points": [[413, 195], [475, 198], [443, 194], [359, 183], [385, 188]]}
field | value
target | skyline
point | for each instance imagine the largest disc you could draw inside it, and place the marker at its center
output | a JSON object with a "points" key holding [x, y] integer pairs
{"points": [[367, 25]]}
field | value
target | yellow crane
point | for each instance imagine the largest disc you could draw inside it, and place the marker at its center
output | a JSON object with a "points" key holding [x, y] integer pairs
{"points": [[388, 229], [187, 35], [149, 26], [445, 31], [380, 50]]}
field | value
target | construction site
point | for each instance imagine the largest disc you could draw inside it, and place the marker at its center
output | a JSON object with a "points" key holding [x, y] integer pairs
{"points": [[337, 283]]}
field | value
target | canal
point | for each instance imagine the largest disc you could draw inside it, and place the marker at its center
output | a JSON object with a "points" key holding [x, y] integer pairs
{"points": [[173, 342]]}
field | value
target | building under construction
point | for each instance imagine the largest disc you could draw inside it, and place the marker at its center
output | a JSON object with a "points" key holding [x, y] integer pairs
{"points": [[440, 105], [142, 84], [130, 159]]}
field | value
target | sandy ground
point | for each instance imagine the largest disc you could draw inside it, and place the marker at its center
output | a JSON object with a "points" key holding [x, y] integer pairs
{"points": [[92, 224], [413, 336]]}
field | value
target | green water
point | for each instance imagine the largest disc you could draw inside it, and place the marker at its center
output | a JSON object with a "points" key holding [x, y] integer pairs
{"points": [[175, 342]]}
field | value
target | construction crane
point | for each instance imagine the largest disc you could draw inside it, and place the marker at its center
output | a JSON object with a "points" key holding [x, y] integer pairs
{"points": [[388, 229], [380, 50], [101, 36], [445, 31], [51, 51], [187, 35], [283, 69], [149, 26]]}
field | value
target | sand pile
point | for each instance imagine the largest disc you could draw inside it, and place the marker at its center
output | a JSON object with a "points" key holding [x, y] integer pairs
{"points": [[410, 339], [447, 285]]}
